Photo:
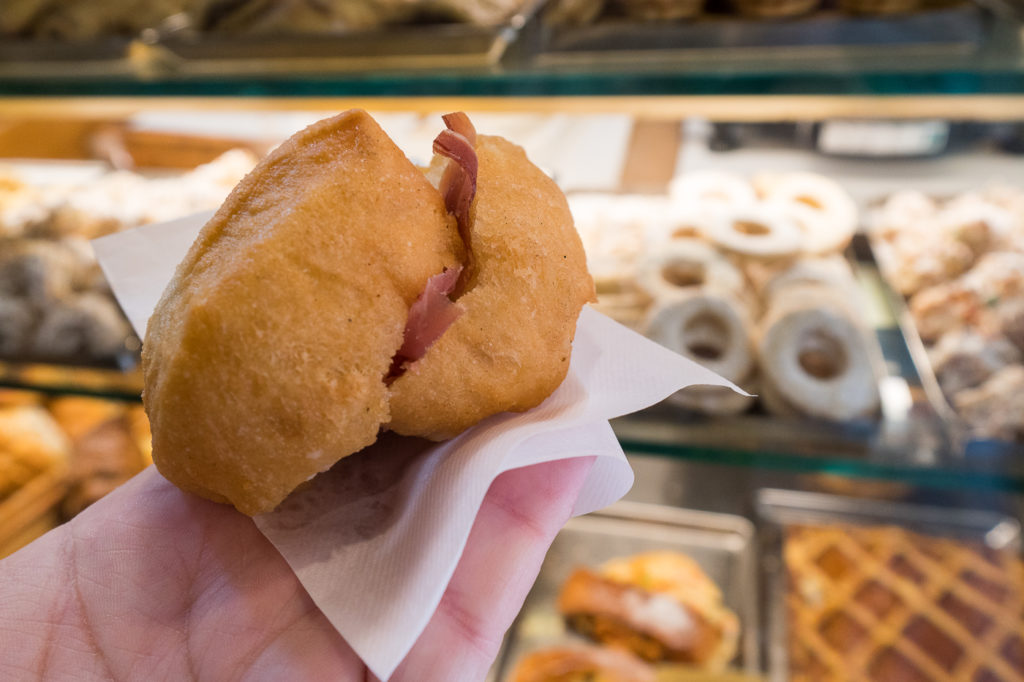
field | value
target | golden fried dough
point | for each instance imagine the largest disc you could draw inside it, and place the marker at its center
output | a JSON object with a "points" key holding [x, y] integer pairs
{"points": [[510, 348], [265, 359], [272, 354]]}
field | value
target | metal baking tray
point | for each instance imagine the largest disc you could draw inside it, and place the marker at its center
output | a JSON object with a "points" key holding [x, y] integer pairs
{"points": [[722, 544], [955, 30], [188, 53], [777, 509]]}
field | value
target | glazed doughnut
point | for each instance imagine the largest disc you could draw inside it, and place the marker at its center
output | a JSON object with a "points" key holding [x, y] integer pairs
{"points": [[678, 221], [709, 327], [833, 272], [318, 296], [680, 265], [628, 307], [824, 196], [761, 231], [819, 234], [16, 320], [815, 354], [711, 188], [774, 403]]}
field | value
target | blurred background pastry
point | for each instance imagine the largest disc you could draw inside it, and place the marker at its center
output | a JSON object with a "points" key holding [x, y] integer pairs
{"points": [[30, 443], [960, 262], [884, 603], [747, 277], [581, 663], [660, 606], [55, 305]]}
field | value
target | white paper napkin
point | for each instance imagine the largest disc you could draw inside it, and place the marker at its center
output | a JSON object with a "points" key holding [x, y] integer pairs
{"points": [[376, 540]]}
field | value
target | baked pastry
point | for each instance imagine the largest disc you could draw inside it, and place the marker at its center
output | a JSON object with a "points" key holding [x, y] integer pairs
{"points": [[37, 271], [318, 297], [823, 211], [661, 606], [86, 325], [883, 603], [102, 458], [30, 443], [816, 355], [995, 408], [78, 415], [16, 325], [964, 359], [660, 10], [21, 205], [707, 326], [757, 231], [581, 663]]}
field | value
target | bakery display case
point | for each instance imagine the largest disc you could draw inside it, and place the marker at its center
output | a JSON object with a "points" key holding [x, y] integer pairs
{"points": [[823, 201]]}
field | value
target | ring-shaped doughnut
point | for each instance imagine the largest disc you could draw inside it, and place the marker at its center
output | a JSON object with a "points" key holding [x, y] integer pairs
{"points": [[817, 359], [820, 235], [821, 194], [757, 231], [709, 188], [679, 265], [709, 327]]}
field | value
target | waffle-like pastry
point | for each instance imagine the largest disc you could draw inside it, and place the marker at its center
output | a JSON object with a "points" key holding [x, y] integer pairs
{"points": [[881, 604], [660, 606]]}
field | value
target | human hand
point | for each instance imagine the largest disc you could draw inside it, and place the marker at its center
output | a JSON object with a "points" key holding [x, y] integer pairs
{"points": [[154, 583]]}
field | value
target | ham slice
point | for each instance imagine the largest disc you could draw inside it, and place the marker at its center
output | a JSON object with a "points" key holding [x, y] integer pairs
{"points": [[433, 311], [429, 317], [459, 122], [458, 185]]}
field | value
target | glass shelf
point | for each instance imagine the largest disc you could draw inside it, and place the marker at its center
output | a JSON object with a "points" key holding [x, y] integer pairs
{"points": [[866, 450], [981, 56]]}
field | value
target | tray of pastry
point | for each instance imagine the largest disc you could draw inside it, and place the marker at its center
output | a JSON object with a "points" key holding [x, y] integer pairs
{"points": [[249, 37], [653, 29], [751, 277], [870, 590], [955, 272], [59, 454], [636, 585], [55, 306]]}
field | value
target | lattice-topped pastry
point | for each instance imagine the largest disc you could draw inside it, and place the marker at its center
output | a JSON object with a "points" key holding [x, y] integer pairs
{"points": [[883, 604]]}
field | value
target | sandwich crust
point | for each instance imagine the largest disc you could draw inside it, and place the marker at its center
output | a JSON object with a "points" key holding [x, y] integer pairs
{"points": [[271, 354], [265, 359], [510, 348]]}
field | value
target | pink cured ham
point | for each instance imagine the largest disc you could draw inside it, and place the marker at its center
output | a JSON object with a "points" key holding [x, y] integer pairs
{"points": [[433, 311], [429, 317], [458, 185]]}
